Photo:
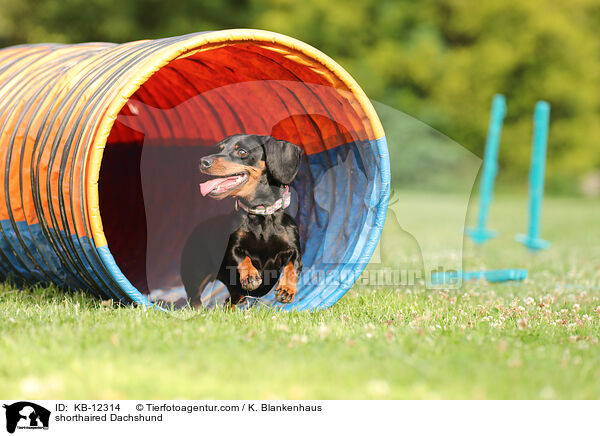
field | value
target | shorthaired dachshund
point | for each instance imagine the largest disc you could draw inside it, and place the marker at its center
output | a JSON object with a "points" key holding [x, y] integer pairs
{"points": [[264, 246]]}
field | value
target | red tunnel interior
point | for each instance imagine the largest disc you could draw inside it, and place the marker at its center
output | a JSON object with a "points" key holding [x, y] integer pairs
{"points": [[148, 186]]}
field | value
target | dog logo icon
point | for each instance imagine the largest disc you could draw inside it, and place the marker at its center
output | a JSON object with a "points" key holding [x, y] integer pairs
{"points": [[26, 415]]}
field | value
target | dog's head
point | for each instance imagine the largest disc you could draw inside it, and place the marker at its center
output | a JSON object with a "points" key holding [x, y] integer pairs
{"points": [[242, 164]]}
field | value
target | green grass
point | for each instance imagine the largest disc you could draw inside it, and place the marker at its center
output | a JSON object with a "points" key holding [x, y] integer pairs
{"points": [[537, 339]]}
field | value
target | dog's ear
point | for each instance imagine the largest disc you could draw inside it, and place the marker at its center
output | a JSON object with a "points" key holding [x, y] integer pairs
{"points": [[282, 159]]}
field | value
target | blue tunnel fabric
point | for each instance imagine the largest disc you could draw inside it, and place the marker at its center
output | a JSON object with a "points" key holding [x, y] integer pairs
{"points": [[341, 190], [342, 203]]}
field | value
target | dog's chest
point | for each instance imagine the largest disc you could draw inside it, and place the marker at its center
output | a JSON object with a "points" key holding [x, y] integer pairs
{"points": [[265, 247]]}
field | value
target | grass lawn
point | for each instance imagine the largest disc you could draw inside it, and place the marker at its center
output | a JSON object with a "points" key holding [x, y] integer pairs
{"points": [[537, 339]]}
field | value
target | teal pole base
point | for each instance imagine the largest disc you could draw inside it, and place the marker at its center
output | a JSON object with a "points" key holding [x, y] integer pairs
{"points": [[534, 244], [481, 235]]}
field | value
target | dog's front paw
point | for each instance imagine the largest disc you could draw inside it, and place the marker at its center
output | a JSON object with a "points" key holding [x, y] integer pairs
{"points": [[285, 294], [286, 289], [249, 275], [251, 281]]}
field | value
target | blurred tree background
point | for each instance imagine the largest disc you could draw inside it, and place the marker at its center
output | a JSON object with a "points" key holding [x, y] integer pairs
{"points": [[440, 61]]}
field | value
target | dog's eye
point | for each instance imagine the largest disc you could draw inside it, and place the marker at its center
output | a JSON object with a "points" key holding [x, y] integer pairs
{"points": [[242, 153]]}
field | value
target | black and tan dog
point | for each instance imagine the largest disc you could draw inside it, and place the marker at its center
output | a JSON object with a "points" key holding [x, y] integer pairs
{"points": [[263, 246]]}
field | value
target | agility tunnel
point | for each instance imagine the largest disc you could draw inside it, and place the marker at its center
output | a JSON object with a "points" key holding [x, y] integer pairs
{"points": [[100, 146]]}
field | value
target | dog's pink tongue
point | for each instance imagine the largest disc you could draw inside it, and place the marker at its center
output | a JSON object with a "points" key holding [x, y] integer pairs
{"points": [[207, 187]]}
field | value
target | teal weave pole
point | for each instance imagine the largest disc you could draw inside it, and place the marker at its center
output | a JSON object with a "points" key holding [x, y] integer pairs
{"points": [[541, 120], [480, 233]]}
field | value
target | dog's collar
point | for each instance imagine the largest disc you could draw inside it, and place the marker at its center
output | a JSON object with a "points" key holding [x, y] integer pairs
{"points": [[281, 203]]}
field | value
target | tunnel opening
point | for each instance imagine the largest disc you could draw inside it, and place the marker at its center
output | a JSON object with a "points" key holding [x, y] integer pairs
{"points": [[148, 184]]}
